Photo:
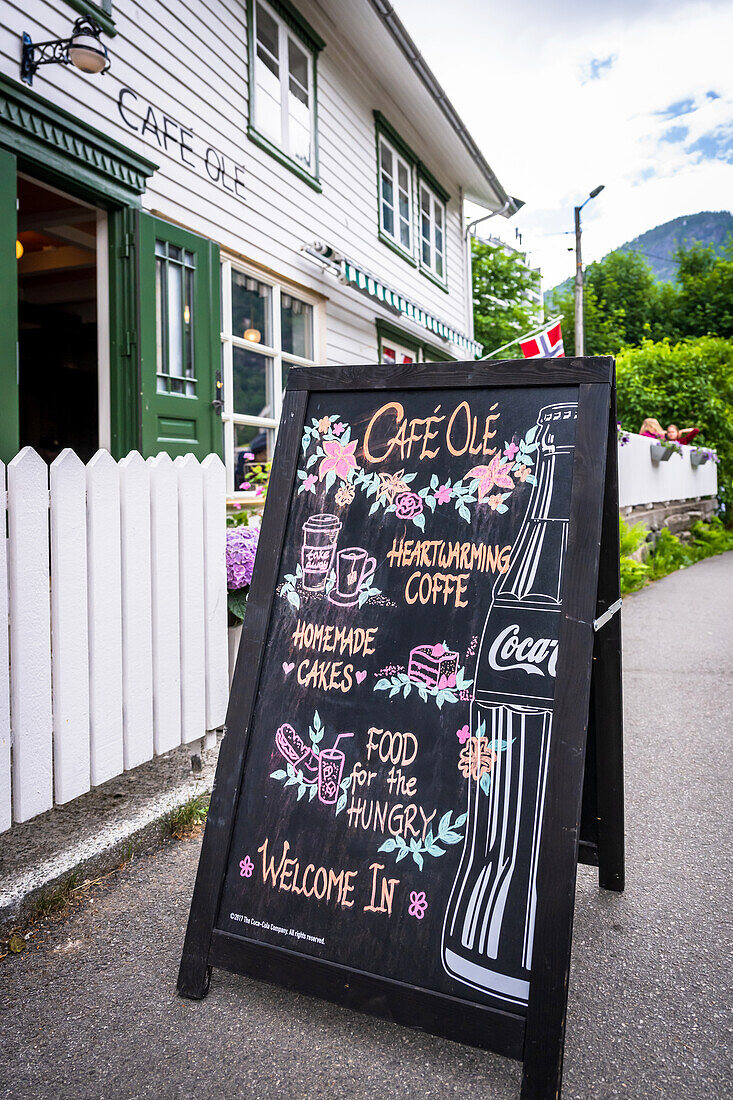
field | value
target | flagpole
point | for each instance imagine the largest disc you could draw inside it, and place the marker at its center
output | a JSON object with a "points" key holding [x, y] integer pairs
{"points": [[526, 336]]}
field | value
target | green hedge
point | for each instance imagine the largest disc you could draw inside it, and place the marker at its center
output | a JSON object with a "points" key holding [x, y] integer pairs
{"points": [[668, 553]]}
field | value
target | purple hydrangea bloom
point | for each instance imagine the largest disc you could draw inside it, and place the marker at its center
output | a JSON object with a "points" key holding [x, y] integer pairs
{"points": [[241, 550]]}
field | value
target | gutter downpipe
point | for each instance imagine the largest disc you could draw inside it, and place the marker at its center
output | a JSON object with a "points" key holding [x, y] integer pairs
{"points": [[502, 212]]}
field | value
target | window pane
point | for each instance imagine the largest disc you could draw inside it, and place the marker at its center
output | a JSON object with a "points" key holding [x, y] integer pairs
{"points": [[251, 375], [268, 117], [160, 315], [388, 219], [249, 439], [175, 328], [298, 65], [386, 155], [267, 31], [402, 175], [404, 233], [251, 309], [297, 326], [188, 331]]}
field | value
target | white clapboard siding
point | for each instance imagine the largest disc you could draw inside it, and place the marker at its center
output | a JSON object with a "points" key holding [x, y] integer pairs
{"points": [[192, 599], [105, 617], [30, 630], [137, 637], [215, 590], [6, 815], [69, 627], [166, 621]]}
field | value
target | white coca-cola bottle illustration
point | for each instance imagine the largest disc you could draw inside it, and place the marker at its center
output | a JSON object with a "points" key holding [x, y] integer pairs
{"points": [[489, 923]]}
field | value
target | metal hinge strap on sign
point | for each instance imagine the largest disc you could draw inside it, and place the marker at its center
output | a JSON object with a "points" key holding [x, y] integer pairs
{"points": [[609, 614]]}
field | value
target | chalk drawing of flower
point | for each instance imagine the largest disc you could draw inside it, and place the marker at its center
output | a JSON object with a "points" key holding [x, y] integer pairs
{"points": [[339, 458], [418, 904], [339, 428], [521, 472], [443, 494], [476, 758], [496, 473], [309, 485], [463, 734], [324, 423], [494, 501], [390, 485], [345, 494], [408, 505], [246, 867], [511, 450]]}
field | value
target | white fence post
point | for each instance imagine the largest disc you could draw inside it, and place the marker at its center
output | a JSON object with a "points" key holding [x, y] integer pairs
{"points": [[165, 596], [105, 615], [215, 581], [6, 815], [30, 635], [193, 619], [137, 637], [69, 627]]}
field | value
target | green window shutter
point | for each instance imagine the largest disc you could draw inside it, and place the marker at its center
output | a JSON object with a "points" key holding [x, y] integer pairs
{"points": [[180, 345], [9, 425], [124, 350]]}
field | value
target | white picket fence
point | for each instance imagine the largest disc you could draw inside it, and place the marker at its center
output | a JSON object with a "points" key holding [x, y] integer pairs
{"points": [[113, 582]]}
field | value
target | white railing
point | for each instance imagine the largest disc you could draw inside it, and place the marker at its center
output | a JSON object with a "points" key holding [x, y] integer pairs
{"points": [[114, 587], [643, 481]]}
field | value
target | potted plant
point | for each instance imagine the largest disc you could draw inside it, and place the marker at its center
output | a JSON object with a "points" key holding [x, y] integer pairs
{"points": [[699, 456], [662, 450]]}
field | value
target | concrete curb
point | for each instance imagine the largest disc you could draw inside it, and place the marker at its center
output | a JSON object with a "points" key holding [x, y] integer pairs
{"points": [[97, 832]]}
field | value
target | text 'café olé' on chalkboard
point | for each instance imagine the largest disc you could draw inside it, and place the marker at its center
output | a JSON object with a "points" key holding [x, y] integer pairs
{"points": [[390, 812]]}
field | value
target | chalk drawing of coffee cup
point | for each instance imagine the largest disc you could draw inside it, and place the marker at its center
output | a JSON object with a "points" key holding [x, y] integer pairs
{"points": [[319, 546], [354, 570]]}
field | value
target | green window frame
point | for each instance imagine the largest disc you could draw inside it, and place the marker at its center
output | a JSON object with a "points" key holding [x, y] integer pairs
{"points": [[395, 160], [423, 351], [283, 53], [100, 12]]}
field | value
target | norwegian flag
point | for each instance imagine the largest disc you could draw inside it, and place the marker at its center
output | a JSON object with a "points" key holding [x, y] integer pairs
{"points": [[545, 345]]}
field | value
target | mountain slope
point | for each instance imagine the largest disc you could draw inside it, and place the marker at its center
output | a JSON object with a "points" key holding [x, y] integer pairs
{"points": [[658, 245]]}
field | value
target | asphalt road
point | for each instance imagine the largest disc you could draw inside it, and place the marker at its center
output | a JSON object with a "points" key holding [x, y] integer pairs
{"points": [[93, 1012]]}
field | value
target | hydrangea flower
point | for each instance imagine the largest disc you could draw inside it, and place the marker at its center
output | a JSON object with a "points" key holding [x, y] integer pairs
{"points": [[241, 550]]}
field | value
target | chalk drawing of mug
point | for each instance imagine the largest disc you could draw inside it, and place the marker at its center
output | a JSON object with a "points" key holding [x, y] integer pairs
{"points": [[330, 770], [319, 546], [354, 569]]}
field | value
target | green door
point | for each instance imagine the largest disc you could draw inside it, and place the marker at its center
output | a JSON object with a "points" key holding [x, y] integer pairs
{"points": [[180, 352], [9, 425]]}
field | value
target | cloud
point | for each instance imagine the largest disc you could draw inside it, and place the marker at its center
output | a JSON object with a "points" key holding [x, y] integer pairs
{"points": [[597, 67], [519, 77]]}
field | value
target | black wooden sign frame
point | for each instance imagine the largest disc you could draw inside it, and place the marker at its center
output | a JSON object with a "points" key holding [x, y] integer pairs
{"points": [[583, 813]]}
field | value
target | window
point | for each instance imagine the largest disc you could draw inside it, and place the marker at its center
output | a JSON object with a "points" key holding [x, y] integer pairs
{"points": [[282, 86], [266, 329], [395, 195], [174, 314], [397, 346], [432, 232]]}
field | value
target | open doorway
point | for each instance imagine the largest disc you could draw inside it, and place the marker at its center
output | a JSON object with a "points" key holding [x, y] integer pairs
{"points": [[58, 316]]}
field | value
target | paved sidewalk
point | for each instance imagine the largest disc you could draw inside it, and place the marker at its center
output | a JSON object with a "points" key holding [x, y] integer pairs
{"points": [[93, 1013]]}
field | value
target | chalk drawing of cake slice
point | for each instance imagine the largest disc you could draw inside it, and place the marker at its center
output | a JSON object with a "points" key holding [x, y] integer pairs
{"points": [[433, 665]]}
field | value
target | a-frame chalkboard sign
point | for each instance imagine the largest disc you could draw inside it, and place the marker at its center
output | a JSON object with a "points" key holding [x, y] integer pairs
{"points": [[403, 792]]}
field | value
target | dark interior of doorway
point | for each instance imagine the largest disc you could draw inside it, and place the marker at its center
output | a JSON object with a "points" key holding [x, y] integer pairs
{"points": [[57, 318]]}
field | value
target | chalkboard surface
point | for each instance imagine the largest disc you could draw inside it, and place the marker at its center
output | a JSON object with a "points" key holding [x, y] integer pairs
{"points": [[397, 743]]}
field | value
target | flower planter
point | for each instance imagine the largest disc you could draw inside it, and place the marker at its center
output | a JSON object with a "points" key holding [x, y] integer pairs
{"points": [[699, 458], [660, 453]]}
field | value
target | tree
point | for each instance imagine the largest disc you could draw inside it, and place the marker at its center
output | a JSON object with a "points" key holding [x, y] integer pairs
{"points": [[702, 301], [620, 304], [687, 383], [503, 305]]}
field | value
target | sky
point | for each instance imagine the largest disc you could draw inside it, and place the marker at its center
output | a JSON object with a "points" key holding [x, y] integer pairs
{"points": [[564, 95]]}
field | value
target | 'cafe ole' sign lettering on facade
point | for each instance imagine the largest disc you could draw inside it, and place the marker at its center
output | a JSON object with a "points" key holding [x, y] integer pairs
{"points": [[161, 130]]}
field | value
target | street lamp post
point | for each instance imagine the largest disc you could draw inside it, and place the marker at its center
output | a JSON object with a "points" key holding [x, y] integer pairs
{"points": [[579, 331]]}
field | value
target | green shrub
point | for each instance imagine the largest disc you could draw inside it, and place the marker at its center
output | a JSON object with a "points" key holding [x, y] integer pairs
{"points": [[711, 538], [634, 574], [668, 555]]}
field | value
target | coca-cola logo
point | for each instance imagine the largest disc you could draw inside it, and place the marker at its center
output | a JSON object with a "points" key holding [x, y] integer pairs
{"points": [[509, 652]]}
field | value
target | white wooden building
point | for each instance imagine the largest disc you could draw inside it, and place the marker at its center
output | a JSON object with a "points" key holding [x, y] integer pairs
{"points": [[251, 184]]}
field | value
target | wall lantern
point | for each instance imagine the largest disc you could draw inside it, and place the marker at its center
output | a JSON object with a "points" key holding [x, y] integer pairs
{"points": [[83, 48]]}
